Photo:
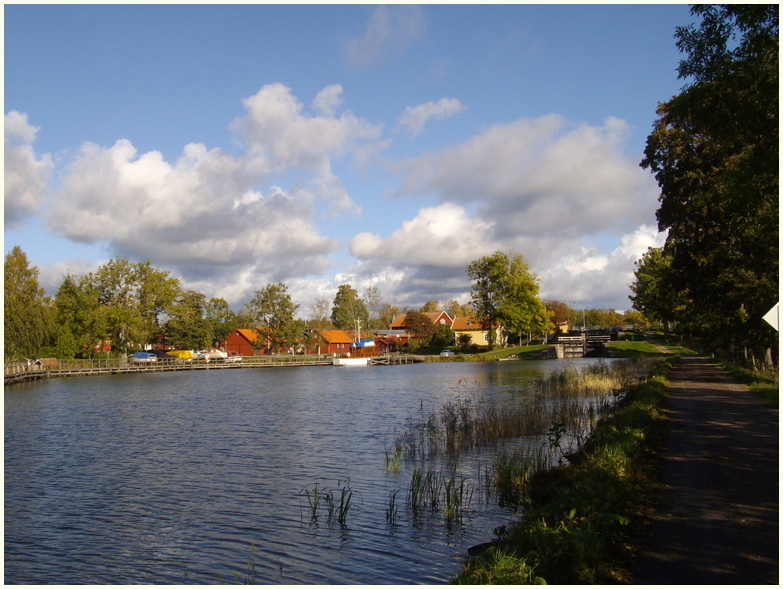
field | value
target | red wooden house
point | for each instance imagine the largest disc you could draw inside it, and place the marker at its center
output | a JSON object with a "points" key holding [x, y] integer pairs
{"points": [[241, 341]]}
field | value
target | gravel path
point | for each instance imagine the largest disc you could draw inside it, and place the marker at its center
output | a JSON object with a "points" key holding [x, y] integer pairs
{"points": [[717, 522]]}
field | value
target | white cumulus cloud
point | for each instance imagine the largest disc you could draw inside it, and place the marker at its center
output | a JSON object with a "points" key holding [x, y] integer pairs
{"points": [[541, 177], [548, 188], [211, 216], [26, 175], [413, 118]]}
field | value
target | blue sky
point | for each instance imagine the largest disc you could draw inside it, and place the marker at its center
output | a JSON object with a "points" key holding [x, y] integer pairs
{"points": [[319, 145]]}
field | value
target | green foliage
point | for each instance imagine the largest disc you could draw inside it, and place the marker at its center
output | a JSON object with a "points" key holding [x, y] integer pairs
{"points": [[505, 292], [348, 308], [387, 315], [420, 327], [131, 297], [187, 327], [654, 291], [273, 312], [714, 152], [430, 306], [464, 341], [80, 321], [222, 320], [28, 320], [442, 338]]}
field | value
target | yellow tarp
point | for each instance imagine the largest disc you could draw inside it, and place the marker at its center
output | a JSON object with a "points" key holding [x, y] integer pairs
{"points": [[183, 354]]}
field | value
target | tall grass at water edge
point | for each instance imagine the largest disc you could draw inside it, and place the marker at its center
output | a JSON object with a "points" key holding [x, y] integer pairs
{"points": [[555, 420], [567, 397], [584, 520]]}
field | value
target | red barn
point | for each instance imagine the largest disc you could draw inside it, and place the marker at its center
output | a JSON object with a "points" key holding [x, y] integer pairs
{"points": [[241, 341]]}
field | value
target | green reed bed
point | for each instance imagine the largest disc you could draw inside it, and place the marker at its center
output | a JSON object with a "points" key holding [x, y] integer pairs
{"points": [[567, 396], [584, 519], [433, 490], [336, 504]]}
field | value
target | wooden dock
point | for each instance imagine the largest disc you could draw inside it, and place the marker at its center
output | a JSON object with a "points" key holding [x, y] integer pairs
{"points": [[53, 368]]}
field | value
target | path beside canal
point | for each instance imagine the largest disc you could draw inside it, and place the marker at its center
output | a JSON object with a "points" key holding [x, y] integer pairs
{"points": [[717, 521]]}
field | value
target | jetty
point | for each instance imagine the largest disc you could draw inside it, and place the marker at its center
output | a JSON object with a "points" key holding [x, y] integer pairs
{"points": [[26, 370]]}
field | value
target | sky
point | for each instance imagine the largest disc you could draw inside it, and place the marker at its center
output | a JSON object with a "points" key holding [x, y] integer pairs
{"points": [[236, 146]]}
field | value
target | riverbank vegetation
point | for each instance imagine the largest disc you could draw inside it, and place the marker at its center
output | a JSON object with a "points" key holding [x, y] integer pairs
{"points": [[583, 519]]}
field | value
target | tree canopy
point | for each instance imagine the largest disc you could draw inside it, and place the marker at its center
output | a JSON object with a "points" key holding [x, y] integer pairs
{"points": [[273, 310], [714, 153], [28, 321], [505, 292], [348, 308]]}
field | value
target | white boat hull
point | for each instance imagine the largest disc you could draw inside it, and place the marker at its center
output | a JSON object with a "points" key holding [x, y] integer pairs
{"points": [[350, 361]]}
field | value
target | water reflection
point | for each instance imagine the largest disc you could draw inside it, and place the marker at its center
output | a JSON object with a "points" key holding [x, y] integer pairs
{"points": [[197, 477]]}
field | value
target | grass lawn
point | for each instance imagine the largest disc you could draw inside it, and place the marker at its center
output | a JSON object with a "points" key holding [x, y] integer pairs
{"points": [[629, 349], [517, 351]]}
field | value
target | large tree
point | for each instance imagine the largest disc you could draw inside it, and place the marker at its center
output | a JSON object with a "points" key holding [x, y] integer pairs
{"points": [[27, 315], [188, 327], [132, 297], [654, 293], [348, 308], [714, 153], [319, 313], [222, 319], [80, 320], [373, 302], [505, 292], [273, 311]]}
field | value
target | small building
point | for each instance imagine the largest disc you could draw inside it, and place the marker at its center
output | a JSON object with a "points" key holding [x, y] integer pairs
{"points": [[390, 340], [334, 341], [478, 334], [242, 342]]}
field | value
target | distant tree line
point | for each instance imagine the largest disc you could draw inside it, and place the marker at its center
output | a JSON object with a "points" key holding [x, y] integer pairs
{"points": [[126, 306], [714, 152]]}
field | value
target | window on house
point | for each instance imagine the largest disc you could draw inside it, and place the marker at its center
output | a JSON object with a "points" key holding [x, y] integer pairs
{"points": [[486, 337]]}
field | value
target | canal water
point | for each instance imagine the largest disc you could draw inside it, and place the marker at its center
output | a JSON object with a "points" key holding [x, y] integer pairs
{"points": [[201, 477]]}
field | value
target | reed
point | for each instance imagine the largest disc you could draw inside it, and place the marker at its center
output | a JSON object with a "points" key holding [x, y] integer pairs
{"points": [[457, 495], [511, 471], [391, 508], [337, 506], [393, 457], [567, 396], [313, 500]]}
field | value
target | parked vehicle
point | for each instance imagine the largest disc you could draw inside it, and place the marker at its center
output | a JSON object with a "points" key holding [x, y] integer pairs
{"points": [[447, 353], [143, 358]]}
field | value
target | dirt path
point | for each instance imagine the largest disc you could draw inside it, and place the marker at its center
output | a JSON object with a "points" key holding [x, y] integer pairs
{"points": [[718, 519]]}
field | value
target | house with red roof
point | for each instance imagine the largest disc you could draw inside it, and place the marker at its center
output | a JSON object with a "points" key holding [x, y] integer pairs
{"points": [[478, 335], [437, 318]]}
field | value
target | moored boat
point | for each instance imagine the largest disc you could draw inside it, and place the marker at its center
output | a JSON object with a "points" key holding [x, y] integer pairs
{"points": [[337, 361]]}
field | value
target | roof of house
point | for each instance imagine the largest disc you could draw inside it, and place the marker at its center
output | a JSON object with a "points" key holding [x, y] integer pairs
{"points": [[250, 335], [336, 336], [466, 324], [434, 316]]}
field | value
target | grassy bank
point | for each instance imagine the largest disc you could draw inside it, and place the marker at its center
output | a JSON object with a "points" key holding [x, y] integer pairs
{"points": [[764, 384], [584, 519]]}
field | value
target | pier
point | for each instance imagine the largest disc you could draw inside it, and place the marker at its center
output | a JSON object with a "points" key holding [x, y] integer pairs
{"points": [[21, 371]]}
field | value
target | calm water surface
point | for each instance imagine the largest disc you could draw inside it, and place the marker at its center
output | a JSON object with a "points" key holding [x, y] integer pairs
{"points": [[198, 477]]}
